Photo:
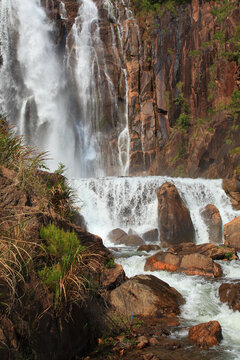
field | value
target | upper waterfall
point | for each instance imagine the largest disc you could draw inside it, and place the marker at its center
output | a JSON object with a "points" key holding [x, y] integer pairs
{"points": [[62, 101]]}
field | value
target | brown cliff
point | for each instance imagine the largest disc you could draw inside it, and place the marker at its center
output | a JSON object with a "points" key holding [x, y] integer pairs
{"points": [[183, 81]]}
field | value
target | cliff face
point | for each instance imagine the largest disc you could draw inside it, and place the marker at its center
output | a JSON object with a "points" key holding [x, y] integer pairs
{"points": [[174, 74]]}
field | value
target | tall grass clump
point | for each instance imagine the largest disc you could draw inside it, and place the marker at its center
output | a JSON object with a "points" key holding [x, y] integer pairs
{"points": [[65, 258], [14, 154]]}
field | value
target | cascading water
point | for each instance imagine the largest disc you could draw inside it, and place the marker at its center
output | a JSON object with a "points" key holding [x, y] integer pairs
{"points": [[32, 80], [86, 64], [57, 101], [57, 98], [131, 203]]}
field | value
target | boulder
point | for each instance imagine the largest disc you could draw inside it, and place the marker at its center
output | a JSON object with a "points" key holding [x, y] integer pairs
{"points": [[146, 295], [232, 189], [120, 237], [115, 235], [231, 232], [230, 294], [206, 334], [132, 232], [210, 250], [213, 220], [174, 219], [131, 240], [148, 247], [113, 277], [190, 264], [151, 235]]}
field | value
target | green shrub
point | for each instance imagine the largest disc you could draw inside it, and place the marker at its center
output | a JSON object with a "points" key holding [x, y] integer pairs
{"points": [[194, 53], [110, 264], [58, 242], [234, 104], [183, 122], [235, 150], [229, 255], [65, 252]]}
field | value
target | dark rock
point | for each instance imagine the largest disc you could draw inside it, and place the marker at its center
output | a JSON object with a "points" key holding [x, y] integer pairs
{"points": [[131, 240], [113, 277], [230, 294], [212, 219], [78, 219], [116, 234], [175, 223], [151, 235]]}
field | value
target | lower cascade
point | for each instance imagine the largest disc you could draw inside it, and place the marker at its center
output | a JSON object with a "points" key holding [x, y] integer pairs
{"points": [[131, 203]]}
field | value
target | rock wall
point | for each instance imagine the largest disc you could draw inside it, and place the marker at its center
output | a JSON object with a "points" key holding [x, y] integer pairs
{"points": [[182, 72]]}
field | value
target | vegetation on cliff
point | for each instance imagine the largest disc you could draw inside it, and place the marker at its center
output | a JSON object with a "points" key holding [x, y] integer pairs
{"points": [[49, 268]]}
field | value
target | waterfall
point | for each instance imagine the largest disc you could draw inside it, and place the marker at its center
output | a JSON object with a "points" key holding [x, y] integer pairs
{"points": [[131, 203], [108, 203], [32, 81], [62, 11]]}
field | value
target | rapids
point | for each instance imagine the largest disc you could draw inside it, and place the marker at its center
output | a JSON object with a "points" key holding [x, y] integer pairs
{"points": [[126, 202]]}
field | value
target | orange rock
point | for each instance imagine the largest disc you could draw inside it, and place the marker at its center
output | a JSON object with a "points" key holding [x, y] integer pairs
{"points": [[206, 334], [190, 264], [231, 232]]}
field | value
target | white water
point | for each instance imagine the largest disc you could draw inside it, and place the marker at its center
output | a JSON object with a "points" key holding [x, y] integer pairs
{"points": [[132, 203], [125, 202], [56, 97], [32, 77]]}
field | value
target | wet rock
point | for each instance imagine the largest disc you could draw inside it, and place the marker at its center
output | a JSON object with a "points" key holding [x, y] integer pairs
{"points": [[146, 295], [131, 240], [206, 334], [174, 219], [150, 236], [115, 235], [190, 264], [231, 232], [113, 277], [230, 294], [132, 232], [120, 237], [148, 247], [213, 220], [212, 251]]}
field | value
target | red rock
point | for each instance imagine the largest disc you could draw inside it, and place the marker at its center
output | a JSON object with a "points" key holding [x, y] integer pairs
{"points": [[190, 264], [175, 223], [206, 334], [231, 232], [148, 247]]}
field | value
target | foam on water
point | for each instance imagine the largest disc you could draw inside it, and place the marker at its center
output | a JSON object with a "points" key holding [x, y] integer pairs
{"points": [[132, 203], [125, 202]]}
